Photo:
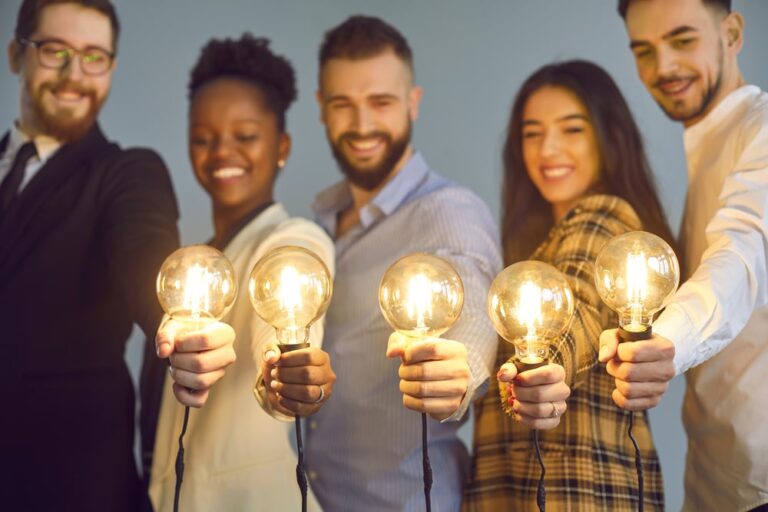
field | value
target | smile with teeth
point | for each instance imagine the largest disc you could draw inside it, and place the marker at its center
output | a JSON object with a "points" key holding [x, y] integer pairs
{"points": [[555, 172], [364, 144], [68, 96], [227, 173], [675, 86]]}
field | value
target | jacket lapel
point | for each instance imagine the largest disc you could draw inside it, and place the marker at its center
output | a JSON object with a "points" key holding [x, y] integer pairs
{"points": [[45, 202]]}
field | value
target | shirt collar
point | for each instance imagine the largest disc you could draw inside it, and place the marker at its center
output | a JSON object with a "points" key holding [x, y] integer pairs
{"points": [[332, 200], [44, 146]]}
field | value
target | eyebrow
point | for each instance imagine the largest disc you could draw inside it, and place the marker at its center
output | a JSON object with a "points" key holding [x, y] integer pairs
{"points": [[65, 43], [569, 117], [379, 96], [683, 29]]}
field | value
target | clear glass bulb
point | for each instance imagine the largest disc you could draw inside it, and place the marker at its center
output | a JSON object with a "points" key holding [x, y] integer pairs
{"points": [[635, 273], [421, 295], [530, 304], [290, 287], [196, 286]]}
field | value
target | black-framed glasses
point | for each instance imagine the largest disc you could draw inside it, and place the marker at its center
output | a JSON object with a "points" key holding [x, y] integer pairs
{"points": [[53, 54]]}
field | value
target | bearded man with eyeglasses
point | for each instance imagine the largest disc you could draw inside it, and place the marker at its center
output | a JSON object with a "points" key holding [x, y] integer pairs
{"points": [[84, 227]]}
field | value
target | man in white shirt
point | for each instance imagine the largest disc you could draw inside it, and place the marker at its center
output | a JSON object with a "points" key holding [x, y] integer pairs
{"points": [[716, 326]]}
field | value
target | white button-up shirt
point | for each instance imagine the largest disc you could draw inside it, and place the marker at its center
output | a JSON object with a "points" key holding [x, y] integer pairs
{"points": [[718, 319], [45, 147]]}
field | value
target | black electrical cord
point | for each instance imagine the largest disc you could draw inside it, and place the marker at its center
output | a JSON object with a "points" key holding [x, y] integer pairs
{"points": [[638, 463], [629, 336], [301, 476], [425, 462], [180, 461], [541, 494]]}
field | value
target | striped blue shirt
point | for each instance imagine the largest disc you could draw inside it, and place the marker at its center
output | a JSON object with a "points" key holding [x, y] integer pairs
{"points": [[364, 446]]}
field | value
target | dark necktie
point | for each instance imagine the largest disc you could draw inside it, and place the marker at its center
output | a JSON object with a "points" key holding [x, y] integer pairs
{"points": [[14, 178]]}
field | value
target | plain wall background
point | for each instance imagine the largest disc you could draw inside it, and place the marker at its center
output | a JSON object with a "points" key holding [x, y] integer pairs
{"points": [[470, 57]]}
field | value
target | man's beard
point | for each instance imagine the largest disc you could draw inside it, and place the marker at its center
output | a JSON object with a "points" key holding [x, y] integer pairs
{"points": [[62, 125], [706, 99], [371, 177]]}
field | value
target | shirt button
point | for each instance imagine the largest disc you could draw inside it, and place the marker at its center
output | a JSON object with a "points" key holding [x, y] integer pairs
{"points": [[312, 475], [313, 424]]}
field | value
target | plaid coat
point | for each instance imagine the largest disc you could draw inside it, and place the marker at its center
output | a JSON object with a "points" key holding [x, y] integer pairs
{"points": [[590, 461]]}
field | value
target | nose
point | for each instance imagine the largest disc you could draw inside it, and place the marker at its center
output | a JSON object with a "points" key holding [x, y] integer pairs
{"points": [[550, 145], [73, 68], [221, 147], [362, 122], [666, 62]]}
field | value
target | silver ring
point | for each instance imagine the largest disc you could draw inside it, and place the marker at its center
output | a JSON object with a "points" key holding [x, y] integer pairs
{"points": [[555, 412], [322, 395]]}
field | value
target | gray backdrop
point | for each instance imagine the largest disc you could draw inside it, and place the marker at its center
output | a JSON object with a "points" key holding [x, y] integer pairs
{"points": [[470, 58]]}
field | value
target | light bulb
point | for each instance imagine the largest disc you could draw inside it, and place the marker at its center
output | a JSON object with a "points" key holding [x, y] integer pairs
{"points": [[635, 273], [530, 304], [290, 287], [196, 286], [421, 295]]}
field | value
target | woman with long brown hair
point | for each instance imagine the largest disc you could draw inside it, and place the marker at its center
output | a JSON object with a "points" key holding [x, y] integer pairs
{"points": [[575, 175]]}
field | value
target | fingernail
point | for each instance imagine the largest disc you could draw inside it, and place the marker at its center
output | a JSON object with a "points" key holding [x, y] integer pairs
{"points": [[273, 373], [270, 354], [603, 352], [503, 372], [273, 384]]}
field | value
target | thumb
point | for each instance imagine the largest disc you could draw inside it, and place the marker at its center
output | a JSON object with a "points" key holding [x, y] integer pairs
{"points": [[609, 343], [271, 354], [507, 373], [396, 345], [165, 337]]}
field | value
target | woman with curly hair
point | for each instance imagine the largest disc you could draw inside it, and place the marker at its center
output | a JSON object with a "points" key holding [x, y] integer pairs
{"points": [[575, 175], [238, 455]]}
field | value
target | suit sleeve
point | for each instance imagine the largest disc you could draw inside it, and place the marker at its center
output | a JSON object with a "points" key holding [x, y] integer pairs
{"points": [[138, 226]]}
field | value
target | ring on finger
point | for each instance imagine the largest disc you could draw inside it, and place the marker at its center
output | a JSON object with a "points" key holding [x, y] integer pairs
{"points": [[322, 395]]}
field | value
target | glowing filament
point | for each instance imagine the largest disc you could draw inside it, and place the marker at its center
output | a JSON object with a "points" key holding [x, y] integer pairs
{"points": [[637, 285], [196, 299], [419, 300], [289, 292], [529, 310]]}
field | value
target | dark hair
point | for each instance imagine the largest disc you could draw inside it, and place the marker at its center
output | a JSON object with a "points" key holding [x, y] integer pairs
{"points": [[361, 37], [625, 171], [28, 17], [724, 5], [248, 58]]}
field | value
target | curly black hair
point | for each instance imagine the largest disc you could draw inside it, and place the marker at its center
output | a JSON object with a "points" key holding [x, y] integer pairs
{"points": [[250, 59]]}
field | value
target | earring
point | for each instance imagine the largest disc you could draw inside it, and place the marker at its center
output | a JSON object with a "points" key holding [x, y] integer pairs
{"points": [[280, 163]]}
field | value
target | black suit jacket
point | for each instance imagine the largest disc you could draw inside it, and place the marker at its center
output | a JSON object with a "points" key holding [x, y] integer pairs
{"points": [[80, 248]]}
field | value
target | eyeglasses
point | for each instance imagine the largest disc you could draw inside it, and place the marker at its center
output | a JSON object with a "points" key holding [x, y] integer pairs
{"points": [[53, 54]]}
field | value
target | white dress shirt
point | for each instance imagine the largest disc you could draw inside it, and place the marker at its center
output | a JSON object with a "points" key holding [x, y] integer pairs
{"points": [[237, 456], [718, 319], [45, 147]]}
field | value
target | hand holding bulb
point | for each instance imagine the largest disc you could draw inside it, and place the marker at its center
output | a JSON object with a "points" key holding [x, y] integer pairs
{"points": [[290, 288], [421, 296], [196, 287], [530, 305], [635, 274]]}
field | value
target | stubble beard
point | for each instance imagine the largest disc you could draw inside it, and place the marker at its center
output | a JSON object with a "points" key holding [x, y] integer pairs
{"points": [[369, 178], [62, 125]]}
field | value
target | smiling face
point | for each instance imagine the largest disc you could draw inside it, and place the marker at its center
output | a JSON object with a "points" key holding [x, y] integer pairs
{"points": [[62, 103], [235, 145], [560, 148], [368, 106], [685, 52]]}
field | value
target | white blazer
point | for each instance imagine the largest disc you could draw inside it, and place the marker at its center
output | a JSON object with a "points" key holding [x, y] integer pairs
{"points": [[238, 454]]}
